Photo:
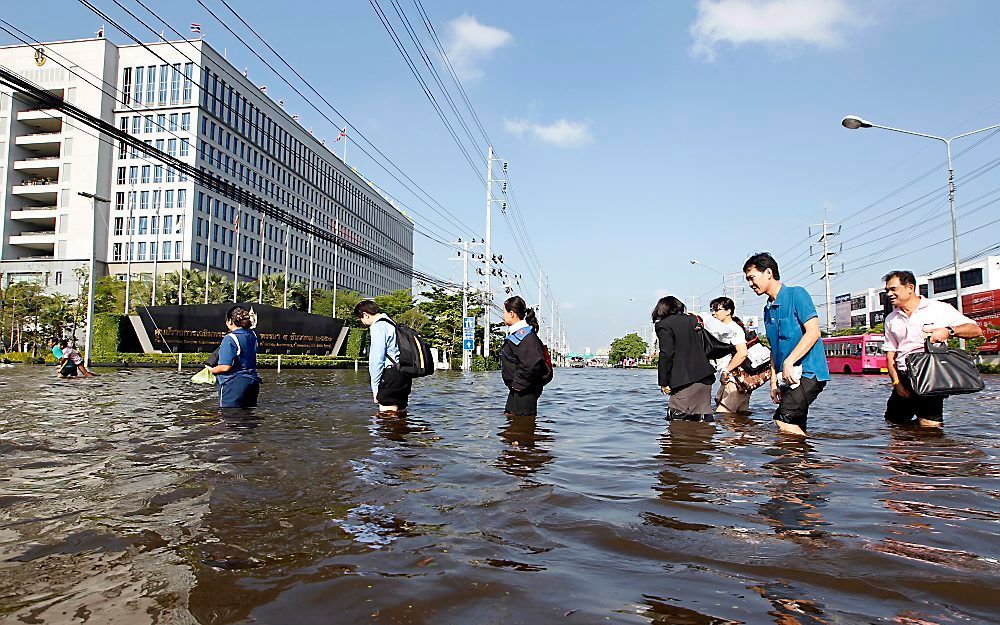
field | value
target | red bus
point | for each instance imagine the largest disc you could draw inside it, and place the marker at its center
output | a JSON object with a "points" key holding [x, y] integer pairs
{"points": [[855, 354]]}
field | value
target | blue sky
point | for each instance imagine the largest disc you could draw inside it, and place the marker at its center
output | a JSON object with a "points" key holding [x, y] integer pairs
{"points": [[657, 132]]}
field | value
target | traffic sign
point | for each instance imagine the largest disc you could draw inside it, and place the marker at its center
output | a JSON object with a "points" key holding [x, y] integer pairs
{"points": [[469, 345]]}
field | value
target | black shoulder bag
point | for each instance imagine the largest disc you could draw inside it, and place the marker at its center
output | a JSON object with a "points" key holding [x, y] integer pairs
{"points": [[939, 371]]}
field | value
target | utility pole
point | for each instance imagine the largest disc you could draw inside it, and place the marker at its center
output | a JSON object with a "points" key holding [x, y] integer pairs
{"points": [[826, 232], [336, 253], [131, 237], [489, 295], [89, 345], [208, 248], [156, 254], [312, 222]]}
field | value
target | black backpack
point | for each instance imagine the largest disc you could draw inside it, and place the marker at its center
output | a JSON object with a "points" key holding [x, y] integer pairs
{"points": [[415, 358]]}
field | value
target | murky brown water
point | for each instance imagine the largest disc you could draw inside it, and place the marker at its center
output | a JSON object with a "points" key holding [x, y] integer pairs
{"points": [[127, 499]]}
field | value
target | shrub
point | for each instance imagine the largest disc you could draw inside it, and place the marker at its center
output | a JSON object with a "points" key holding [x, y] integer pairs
{"points": [[356, 338], [107, 336]]}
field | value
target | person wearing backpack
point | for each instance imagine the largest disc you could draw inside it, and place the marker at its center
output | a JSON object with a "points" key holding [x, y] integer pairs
{"points": [[390, 386], [524, 365], [684, 371]]}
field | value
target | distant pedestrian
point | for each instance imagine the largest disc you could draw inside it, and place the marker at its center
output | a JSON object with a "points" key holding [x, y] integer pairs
{"points": [[798, 363], [66, 367], [914, 318], [390, 387], [523, 365], [684, 371], [239, 384], [68, 351], [730, 399]]}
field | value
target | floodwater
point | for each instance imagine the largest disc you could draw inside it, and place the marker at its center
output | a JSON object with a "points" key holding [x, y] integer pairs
{"points": [[128, 499]]}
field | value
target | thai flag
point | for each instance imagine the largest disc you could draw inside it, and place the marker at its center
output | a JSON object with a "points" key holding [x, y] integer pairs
{"points": [[196, 28]]}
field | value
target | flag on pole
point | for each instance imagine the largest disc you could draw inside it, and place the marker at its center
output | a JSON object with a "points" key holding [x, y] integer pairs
{"points": [[343, 134], [196, 28]]}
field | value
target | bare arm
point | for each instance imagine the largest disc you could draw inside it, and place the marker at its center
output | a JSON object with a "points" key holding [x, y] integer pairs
{"points": [[738, 358], [963, 331], [809, 338]]}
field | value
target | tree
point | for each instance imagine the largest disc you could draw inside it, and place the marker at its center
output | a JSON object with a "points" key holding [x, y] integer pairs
{"points": [[396, 303], [628, 346]]}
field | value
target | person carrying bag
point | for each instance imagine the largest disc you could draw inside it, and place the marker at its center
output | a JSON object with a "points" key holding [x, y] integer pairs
{"points": [[939, 371]]}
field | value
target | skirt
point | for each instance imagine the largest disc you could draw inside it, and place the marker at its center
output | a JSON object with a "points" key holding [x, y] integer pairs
{"points": [[523, 403], [693, 399]]}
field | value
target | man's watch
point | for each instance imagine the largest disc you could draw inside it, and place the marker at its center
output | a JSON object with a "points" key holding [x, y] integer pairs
{"points": [[951, 331]]}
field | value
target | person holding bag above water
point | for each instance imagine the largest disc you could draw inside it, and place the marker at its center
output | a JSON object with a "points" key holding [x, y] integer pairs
{"points": [[684, 371], [236, 372], [524, 365]]}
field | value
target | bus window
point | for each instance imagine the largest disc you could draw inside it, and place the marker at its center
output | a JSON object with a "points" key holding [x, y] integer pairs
{"points": [[874, 348]]}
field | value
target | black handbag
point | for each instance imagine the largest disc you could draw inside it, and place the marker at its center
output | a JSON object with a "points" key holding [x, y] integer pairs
{"points": [[939, 371]]}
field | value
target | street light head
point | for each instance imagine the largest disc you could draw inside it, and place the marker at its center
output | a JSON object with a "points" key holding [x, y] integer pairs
{"points": [[853, 122]]}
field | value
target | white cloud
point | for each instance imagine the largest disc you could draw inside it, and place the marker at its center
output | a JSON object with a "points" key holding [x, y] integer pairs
{"points": [[812, 22], [567, 306], [469, 41], [562, 132]]}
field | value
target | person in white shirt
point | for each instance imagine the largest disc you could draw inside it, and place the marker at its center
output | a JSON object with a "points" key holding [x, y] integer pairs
{"points": [[913, 319], [729, 399]]}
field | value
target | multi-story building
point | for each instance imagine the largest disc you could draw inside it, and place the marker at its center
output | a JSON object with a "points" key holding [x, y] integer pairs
{"points": [[184, 99]]}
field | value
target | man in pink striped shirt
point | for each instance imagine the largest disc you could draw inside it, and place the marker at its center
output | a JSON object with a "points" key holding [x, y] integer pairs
{"points": [[913, 319]]}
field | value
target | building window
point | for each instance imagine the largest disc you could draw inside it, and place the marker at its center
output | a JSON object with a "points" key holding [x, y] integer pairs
{"points": [[127, 86], [181, 198], [185, 147], [185, 121], [168, 224], [172, 147], [136, 124], [944, 284], [178, 251], [171, 173], [148, 126], [163, 84], [923, 290], [175, 83], [150, 85], [156, 199], [145, 174], [141, 252], [173, 122], [143, 225], [144, 200], [116, 252], [972, 277], [133, 174], [121, 175], [161, 122], [120, 201], [168, 199], [119, 225], [167, 247], [158, 173], [152, 250], [137, 94], [188, 74]]}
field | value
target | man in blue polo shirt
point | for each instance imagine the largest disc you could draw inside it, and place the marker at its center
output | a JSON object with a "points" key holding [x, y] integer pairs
{"points": [[798, 363]]}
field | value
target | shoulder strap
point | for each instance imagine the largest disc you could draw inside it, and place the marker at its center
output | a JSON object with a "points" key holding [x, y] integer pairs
{"points": [[239, 352], [387, 320]]}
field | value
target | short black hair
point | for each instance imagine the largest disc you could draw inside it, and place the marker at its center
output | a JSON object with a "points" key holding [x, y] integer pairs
{"points": [[366, 306], [905, 277], [667, 306], [723, 302], [762, 261]]}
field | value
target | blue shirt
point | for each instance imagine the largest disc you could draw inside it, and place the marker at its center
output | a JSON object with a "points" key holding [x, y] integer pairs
{"points": [[383, 347], [239, 349], [784, 322]]}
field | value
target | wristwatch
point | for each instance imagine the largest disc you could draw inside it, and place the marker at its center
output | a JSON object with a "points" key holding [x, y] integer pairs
{"points": [[951, 331]]}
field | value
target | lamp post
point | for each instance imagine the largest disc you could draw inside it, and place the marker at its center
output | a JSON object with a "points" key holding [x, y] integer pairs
{"points": [[853, 122], [90, 280], [724, 276]]}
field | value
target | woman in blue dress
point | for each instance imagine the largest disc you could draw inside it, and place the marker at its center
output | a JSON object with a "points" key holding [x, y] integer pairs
{"points": [[237, 368]]}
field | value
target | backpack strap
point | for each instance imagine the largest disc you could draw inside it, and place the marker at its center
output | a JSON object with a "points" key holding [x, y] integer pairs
{"points": [[393, 324], [519, 335], [239, 350]]}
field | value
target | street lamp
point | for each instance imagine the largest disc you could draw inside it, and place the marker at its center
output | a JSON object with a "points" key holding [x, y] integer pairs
{"points": [[724, 275], [853, 122], [90, 287]]}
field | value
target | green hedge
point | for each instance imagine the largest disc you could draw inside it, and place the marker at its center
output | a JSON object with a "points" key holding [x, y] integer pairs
{"points": [[356, 338], [984, 368], [484, 364], [107, 336], [26, 357], [196, 360]]}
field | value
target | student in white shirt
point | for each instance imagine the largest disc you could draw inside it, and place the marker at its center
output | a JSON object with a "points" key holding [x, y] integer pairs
{"points": [[729, 399]]}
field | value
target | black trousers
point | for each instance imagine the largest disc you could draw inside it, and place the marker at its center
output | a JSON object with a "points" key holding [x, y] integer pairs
{"points": [[901, 409], [394, 388], [523, 403], [795, 402]]}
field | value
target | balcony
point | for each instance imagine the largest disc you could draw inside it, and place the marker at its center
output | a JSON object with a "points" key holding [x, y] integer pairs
{"points": [[42, 240], [39, 139], [39, 215], [41, 190], [43, 120], [40, 166]]}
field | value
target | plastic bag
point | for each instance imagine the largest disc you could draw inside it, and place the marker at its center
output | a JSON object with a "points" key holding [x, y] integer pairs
{"points": [[205, 376]]}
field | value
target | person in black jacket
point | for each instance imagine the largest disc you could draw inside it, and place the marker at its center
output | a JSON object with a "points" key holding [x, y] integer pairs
{"points": [[522, 361], [685, 373]]}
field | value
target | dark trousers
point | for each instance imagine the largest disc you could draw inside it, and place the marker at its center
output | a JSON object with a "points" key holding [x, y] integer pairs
{"points": [[239, 391], [795, 402], [523, 403], [902, 410], [394, 388]]}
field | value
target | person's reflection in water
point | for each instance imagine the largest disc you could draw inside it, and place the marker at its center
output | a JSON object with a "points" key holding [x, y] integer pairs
{"points": [[528, 447], [682, 445], [798, 496]]}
